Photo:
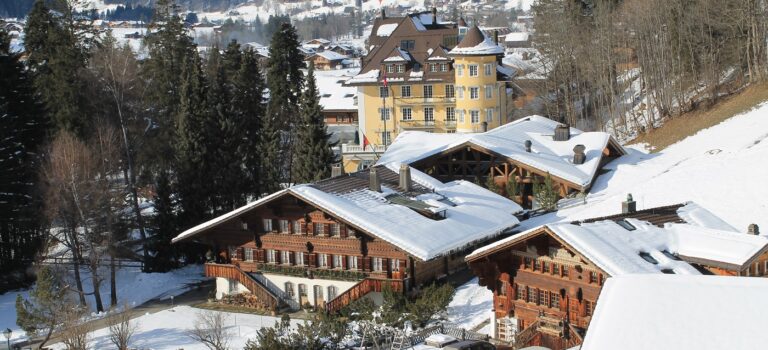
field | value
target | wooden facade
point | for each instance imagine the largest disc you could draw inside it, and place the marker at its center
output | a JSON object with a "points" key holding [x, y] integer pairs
{"points": [[474, 163]]}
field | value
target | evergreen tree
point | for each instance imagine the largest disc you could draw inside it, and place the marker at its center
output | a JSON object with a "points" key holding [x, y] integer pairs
{"points": [[512, 187], [22, 130], [313, 155], [249, 101], [46, 307], [164, 226], [491, 185], [545, 194]]}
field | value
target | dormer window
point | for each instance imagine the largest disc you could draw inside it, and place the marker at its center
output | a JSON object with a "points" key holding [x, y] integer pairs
{"points": [[408, 45], [416, 67], [443, 67], [401, 68], [433, 67], [390, 68]]}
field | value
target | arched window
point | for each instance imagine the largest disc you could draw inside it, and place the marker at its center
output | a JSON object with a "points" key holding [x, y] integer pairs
{"points": [[289, 289], [332, 292], [302, 290]]}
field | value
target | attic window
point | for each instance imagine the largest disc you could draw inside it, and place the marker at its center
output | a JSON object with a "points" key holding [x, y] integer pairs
{"points": [[326, 95], [417, 206], [349, 95], [626, 225], [340, 81], [668, 271], [647, 257], [670, 255]]}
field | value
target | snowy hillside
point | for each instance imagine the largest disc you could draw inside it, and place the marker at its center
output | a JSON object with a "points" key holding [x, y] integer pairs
{"points": [[719, 168]]}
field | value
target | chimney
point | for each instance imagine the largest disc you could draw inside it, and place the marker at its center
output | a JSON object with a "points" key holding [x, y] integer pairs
{"points": [[628, 206], [434, 16], [485, 126], [528, 146], [374, 184], [383, 15], [578, 154], [337, 170], [562, 133], [405, 177], [753, 229], [462, 22], [496, 37]]}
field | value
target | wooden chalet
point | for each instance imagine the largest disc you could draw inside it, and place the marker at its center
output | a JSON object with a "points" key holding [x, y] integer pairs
{"points": [[327, 60], [546, 281], [329, 243], [528, 149]]}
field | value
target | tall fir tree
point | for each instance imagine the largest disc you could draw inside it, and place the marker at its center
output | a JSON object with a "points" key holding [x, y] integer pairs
{"points": [[249, 99], [285, 81], [22, 131], [164, 226], [313, 154]]}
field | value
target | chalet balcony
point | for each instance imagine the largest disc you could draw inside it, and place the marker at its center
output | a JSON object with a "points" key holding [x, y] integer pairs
{"points": [[417, 101], [414, 124]]}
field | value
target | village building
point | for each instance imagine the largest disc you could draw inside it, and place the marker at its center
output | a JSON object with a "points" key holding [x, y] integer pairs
{"points": [[678, 312], [517, 40], [422, 73], [529, 149], [326, 60], [328, 243], [339, 103], [546, 281]]}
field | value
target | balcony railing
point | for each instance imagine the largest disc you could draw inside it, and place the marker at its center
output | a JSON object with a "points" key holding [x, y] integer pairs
{"points": [[426, 124], [424, 100], [362, 288], [350, 149]]}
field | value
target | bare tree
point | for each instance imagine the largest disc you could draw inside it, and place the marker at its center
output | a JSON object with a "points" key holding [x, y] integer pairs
{"points": [[210, 330], [75, 330], [121, 329]]}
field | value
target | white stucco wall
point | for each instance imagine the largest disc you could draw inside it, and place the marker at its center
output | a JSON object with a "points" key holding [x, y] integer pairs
{"points": [[223, 287], [280, 280]]}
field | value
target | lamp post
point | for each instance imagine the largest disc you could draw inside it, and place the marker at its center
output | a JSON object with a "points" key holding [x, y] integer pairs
{"points": [[7, 333]]}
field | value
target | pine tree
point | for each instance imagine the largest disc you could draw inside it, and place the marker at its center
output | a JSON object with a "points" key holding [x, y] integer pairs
{"points": [[511, 187], [249, 102], [164, 226], [491, 185], [313, 155], [46, 307], [545, 194], [22, 131]]}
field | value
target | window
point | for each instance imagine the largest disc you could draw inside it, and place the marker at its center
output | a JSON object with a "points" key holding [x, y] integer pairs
{"points": [[647, 257], [322, 260], [555, 268], [450, 114], [407, 113], [302, 290], [554, 301], [459, 70], [384, 113], [289, 289], [475, 116], [461, 116], [450, 40], [378, 264], [488, 91], [285, 257], [502, 288], [299, 258], [416, 67], [394, 264], [588, 307], [527, 262], [352, 262], [449, 91], [473, 70], [319, 228], [489, 115], [284, 228], [338, 261], [543, 297], [433, 67], [271, 256], [407, 44], [519, 293], [474, 93], [488, 68], [536, 265], [400, 68], [383, 91], [332, 292], [296, 226], [429, 114], [531, 293], [267, 224], [427, 91], [386, 137], [565, 271], [335, 230], [593, 277], [390, 68], [248, 254], [460, 95], [443, 67], [405, 91], [545, 267]]}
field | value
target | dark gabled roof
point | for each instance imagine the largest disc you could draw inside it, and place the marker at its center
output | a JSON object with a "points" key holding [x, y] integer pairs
{"points": [[360, 180], [656, 216], [473, 38]]}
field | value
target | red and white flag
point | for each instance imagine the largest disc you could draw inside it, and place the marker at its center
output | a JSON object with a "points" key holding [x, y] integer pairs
{"points": [[384, 79], [365, 142]]}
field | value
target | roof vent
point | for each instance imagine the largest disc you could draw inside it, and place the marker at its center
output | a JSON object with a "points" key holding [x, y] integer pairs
{"points": [[628, 206], [753, 229], [405, 177], [578, 154], [528, 146], [383, 15], [374, 183], [496, 37], [562, 133], [337, 170]]}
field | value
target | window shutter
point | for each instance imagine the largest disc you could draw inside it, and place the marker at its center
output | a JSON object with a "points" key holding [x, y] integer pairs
{"points": [[344, 264], [343, 231], [275, 225], [292, 258], [240, 253], [367, 262], [303, 227], [386, 267], [327, 230], [312, 259], [278, 257], [259, 255]]}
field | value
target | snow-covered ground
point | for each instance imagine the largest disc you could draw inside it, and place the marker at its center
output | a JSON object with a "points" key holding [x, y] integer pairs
{"points": [[169, 330], [134, 288], [471, 305]]}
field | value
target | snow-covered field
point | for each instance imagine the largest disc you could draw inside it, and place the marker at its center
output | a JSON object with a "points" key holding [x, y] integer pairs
{"points": [[134, 288], [471, 305]]}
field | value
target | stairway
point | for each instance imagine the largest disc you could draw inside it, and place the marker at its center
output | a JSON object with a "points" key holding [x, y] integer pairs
{"points": [[283, 296]]}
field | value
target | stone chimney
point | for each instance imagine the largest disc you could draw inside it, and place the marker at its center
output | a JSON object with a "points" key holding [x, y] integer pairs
{"points": [[405, 177], [753, 229], [337, 170], [528, 146], [383, 15], [578, 154], [496, 37], [374, 184], [628, 206], [562, 133], [434, 16]]}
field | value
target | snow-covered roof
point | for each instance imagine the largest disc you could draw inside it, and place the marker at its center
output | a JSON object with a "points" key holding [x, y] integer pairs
{"points": [[475, 42], [386, 29], [679, 312], [370, 76], [517, 36], [331, 55], [334, 95], [508, 140], [716, 247], [398, 55], [472, 213]]}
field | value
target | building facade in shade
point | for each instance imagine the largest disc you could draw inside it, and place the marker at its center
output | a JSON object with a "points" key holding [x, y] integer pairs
{"points": [[424, 74]]}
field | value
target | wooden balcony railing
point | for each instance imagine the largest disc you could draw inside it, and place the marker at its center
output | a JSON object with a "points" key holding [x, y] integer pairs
{"points": [[270, 300], [360, 289]]}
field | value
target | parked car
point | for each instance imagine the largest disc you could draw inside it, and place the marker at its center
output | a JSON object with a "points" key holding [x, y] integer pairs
{"points": [[470, 345]]}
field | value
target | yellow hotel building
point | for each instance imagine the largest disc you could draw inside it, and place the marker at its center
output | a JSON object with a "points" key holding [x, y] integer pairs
{"points": [[440, 77]]}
